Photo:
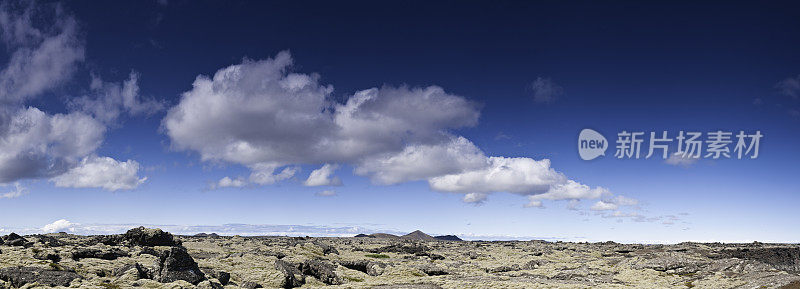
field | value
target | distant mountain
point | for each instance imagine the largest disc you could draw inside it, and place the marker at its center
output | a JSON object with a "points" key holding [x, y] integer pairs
{"points": [[383, 236], [448, 238], [418, 235], [363, 236]]}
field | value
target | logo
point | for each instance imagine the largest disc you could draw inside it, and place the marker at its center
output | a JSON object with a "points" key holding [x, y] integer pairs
{"points": [[591, 144]]}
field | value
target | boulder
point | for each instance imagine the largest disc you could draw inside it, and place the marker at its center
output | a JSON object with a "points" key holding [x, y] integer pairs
{"points": [[326, 249], [221, 276], [47, 256], [176, 264], [14, 240], [292, 277], [251, 285], [19, 276], [139, 273], [142, 236], [782, 258], [105, 254], [321, 270], [372, 268]]}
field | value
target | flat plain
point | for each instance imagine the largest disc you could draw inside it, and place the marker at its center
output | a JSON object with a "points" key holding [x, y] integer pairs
{"points": [[151, 258]]}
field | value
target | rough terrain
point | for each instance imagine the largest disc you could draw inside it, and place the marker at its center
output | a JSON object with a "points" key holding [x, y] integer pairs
{"points": [[150, 258]]}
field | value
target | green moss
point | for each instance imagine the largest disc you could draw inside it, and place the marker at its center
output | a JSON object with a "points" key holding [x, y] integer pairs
{"points": [[110, 286], [353, 279], [379, 256], [56, 267]]}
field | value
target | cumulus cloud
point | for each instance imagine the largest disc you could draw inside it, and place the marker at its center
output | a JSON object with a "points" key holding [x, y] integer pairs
{"points": [[227, 182], [678, 159], [322, 177], [261, 114], [42, 53], [513, 175], [108, 100], [475, 198], [266, 117], [545, 90], [422, 161], [60, 226], [101, 172], [326, 193], [789, 87], [34, 144], [17, 191]]}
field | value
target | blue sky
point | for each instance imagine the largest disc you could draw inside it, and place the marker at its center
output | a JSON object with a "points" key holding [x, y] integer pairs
{"points": [[187, 115]]}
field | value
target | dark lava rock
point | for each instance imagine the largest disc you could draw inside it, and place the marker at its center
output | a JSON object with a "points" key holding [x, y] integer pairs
{"points": [[19, 276], [176, 264], [372, 268], [149, 237], [110, 240], [433, 270], [141, 272], [251, 285], [448, 238], [148, 251], [782, 258], [222, 276], [322, 270], [109, 254], [502, 269], [48, 241], [49, 256], [14, 240], [326, 249], [292, 276]]}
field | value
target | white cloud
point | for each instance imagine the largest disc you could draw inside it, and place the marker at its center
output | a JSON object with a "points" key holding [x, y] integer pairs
{"points": [[260, 113], [604, 206], [16, 192], [60, 226], [101, 172], [678, 159], [513, 175], [39, 58], [326, 193], [545, 90], [264, 174], [34, 144], [420, 162], [475, 198], [227, 182], [322, 177], [790, 86], [108, 100]]}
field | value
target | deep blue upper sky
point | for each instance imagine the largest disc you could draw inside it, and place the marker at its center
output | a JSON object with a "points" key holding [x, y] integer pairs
{"points": [[625, 65]]}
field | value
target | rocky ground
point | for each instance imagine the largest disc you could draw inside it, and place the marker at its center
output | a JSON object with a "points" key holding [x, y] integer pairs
{"points": [[150, 258]]}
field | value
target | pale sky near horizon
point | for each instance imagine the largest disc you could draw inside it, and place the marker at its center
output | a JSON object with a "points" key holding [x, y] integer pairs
{"points": [[333, 119]]}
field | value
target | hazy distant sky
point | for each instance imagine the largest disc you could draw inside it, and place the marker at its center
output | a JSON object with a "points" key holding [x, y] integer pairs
{"points": [[335, 118]]}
